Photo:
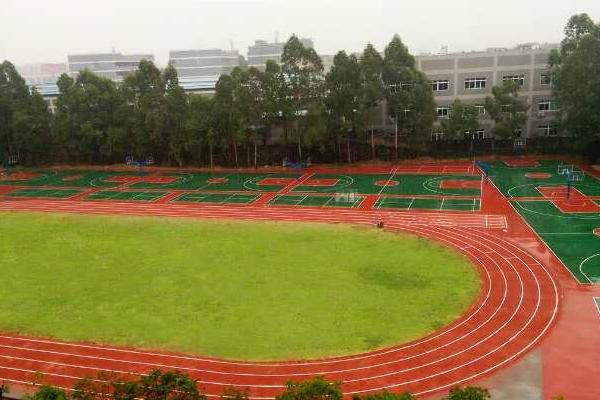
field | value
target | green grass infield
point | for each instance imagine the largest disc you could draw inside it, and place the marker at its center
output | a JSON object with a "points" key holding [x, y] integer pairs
{"points": [[236, 290]]}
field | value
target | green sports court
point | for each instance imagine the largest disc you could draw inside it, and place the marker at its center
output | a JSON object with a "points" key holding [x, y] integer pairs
{"points": [[570, 226]]}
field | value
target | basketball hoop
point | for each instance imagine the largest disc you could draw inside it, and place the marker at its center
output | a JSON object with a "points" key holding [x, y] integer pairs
{"points": [[564, 169], [572, 176], [576, 176]]}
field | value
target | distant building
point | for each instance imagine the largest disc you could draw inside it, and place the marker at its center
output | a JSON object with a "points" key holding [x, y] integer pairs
{"points": [[43, 77], [327, 61], [471, 76], [199, 70], [114, 66], [262, 51]]}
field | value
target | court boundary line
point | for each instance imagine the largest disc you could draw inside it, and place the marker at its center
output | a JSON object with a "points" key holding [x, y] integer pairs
{"points": [[581, 267]]}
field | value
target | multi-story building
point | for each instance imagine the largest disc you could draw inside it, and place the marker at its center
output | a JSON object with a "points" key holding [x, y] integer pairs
{"points": [[262, 51], [43, 77], [114, 66], [199, 70], [471, 76]]}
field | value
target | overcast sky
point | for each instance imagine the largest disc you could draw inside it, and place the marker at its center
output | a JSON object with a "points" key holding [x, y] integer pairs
{"points": [[48, 30]]}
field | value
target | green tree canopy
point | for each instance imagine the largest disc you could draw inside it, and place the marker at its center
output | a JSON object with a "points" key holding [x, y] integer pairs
{"points": [[176, 135], [373, 91], [462, 118], [303, 74], [144, 91], [24, 119], [344, 92], [576, 82], [408, 93], [507, 109]]}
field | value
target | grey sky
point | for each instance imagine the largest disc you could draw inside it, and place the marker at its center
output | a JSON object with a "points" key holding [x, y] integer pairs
{"points": [[48, 30]]}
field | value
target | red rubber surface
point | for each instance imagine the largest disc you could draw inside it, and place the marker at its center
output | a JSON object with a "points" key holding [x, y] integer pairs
{"points": [[518, 305]]}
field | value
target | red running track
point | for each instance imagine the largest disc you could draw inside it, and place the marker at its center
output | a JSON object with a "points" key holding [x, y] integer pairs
{"points": [[517, 307]]}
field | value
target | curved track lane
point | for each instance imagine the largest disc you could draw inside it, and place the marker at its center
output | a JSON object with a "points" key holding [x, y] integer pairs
{"points": [[518, 304]]}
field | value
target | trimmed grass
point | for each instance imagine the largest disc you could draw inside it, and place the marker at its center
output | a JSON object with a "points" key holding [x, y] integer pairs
{"points": [[240, 290]]}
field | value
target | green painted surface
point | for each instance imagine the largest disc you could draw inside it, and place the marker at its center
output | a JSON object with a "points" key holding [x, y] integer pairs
{"points": [[228, 289], [513, 181], [45, 193], [217, 198], [126, 195], [569, 235], [443, 204], [317, 201], [405, 184]]}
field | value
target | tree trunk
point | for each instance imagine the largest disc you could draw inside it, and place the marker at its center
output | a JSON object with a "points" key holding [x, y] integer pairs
{"points": [[210, 151], [396, 140], [472, 148], [372, 142], [255, 155], [248, 154], [285, 139], [348, 149], [235, 153], [299, 148], [336, 147]]}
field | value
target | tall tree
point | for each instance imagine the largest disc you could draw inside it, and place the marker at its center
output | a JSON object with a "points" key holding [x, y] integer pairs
{"points": [[176, 114], [576, 83], [224, 117], [86, 120], [248, 107], [408, 94], [276, 103], [371, 68], [23, 118], [144, 91], [463, 118], [33, 139], [200, 125], [303, 71], [344, 89], [507, 109]]}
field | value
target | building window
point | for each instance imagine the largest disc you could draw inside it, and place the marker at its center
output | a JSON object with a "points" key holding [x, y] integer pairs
{"points": [[479, 134], [475, 83], [546, 79], [480, 109], [440, 85], [547, 106], [443, 112], [518, 79], [548, 130]]}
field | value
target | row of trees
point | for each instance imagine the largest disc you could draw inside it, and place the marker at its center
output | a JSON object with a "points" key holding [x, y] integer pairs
{"points": [[293, 105], [175, 385]]}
